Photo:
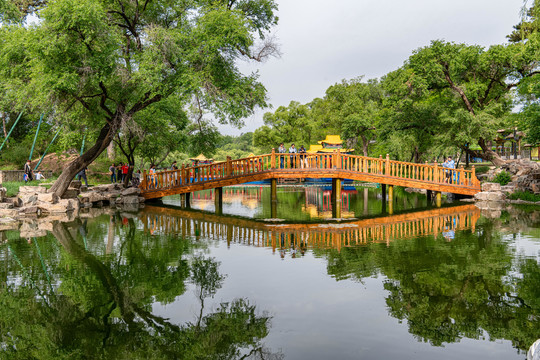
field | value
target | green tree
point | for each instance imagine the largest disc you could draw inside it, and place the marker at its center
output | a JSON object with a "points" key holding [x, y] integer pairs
{"points": [[356, 107], [100, 63], [472, 89]]}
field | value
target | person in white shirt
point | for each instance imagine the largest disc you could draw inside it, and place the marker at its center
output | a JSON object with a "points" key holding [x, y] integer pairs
{"points": [[292, 150], [39, 176]]}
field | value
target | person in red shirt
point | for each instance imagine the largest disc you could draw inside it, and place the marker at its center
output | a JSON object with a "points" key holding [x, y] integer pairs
{"points": [[125, 168]]}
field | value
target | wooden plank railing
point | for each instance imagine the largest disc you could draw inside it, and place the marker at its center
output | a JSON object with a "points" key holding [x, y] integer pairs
{"points": [[306, 163]]}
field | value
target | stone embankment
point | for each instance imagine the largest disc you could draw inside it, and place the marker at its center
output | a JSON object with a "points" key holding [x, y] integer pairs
{"points": [[525, 176], [35, 201]]}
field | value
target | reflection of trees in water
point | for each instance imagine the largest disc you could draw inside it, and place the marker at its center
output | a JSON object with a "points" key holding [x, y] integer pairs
{"points": [[468, 287], [102, 309]]}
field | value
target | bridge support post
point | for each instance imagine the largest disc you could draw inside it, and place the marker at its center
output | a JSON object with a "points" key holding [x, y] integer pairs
{"points": [[383, 197], [187, 199], [273, 198], [391, 199], [336, 198], [429, 195], [218, 200], [273, 189], [438, 199]]}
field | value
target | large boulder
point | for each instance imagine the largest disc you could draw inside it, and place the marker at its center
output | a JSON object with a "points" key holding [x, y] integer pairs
{"points": [[496, 196], [28, 198], [48, 197], [481, 196], [62, 206], [131, 200], [131, 191], [32, 189], [491, 186], [106, 187], [92, 197], [70, 194]]}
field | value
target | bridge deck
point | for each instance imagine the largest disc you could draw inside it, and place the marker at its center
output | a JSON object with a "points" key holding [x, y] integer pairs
{"points": [[283, 166]]}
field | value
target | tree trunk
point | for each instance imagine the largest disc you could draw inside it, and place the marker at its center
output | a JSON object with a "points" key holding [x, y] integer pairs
{"points": [[365, 145], [4, 128], [111, 153], [486, 153], [105, 137]]}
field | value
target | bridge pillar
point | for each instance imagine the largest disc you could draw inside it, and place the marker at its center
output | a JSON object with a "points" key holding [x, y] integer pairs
{"points": [[383, 197], [336, 198], [429, 195], [187, 200], [218, 200], [273, 190], [391, 199], [438, 199]]}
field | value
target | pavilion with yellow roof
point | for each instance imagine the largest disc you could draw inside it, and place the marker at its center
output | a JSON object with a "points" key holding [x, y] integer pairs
{"points": [[201, 160], [329, 145]]}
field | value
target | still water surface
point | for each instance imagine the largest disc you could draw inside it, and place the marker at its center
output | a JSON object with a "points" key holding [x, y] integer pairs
{"points": [[173, 283]]}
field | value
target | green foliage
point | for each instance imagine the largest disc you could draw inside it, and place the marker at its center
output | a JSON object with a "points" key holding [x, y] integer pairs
{"points": [[104, 67], [524, 195], [356, 107], [502, 178], [482, 169]]}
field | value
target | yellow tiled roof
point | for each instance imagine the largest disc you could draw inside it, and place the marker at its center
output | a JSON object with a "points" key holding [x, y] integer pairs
{"points": [[332, 139], [200, 157]]}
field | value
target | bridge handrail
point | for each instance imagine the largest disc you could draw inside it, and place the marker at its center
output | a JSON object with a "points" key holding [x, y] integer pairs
{"points": [[310, 162]]}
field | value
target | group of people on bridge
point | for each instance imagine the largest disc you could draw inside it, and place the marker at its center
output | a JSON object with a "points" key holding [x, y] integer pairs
{"points": [[302, 158]]}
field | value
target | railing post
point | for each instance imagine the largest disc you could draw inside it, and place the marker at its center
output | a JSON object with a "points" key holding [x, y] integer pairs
{"points": [[144, 183], [387, 167], [183, 175], [229, 166], [337, 160], [426, 177], [436, 172], [379, 167], [473, 176], [273, 159]]}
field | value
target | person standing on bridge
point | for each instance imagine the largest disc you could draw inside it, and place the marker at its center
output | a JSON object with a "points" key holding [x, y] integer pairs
{"points": [[303, 157], [281, 150], [449, 164], [292, 150]]}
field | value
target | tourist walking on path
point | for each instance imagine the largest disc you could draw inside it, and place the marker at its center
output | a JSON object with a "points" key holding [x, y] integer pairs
{"points": [[112, 170], [281, 150], [28, 172], [39, 176], [82, 175], [449, 164], [292, 150]]}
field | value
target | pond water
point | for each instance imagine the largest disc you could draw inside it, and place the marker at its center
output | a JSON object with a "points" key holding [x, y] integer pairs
{"points": [[175, 283]]}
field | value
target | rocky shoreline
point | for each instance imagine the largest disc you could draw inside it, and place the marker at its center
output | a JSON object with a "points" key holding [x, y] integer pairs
{"points": [[36, 202]]}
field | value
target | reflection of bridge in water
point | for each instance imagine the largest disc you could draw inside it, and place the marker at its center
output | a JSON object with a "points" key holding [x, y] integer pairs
{"points": [[432, 222]]}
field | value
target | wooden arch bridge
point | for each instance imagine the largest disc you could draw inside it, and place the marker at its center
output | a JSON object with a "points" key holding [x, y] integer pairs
{"points": [[434, 222], [336, 166]]}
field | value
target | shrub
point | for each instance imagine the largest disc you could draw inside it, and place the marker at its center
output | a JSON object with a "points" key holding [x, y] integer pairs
{"points": [[525, 195], [502, 178], [482, 169]]}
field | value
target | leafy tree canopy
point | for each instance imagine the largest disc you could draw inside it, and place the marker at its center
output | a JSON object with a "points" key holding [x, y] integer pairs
{"points": [[100, 63]]}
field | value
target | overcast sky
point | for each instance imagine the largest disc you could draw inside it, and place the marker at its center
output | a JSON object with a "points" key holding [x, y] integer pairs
{"points": [[323, 42]]}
